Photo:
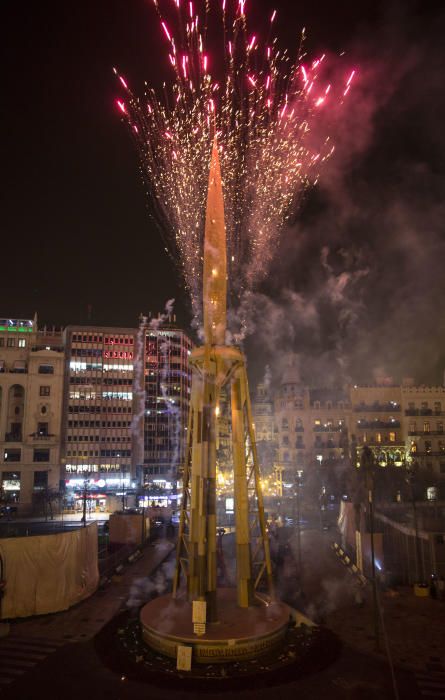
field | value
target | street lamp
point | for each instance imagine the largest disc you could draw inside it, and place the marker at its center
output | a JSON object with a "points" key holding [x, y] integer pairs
{"points": [[368, 466], [412, 467], [123, 472], [298, 481], [145, 497], [84, 497]]}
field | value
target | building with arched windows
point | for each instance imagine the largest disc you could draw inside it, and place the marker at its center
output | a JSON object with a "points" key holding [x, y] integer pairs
{"points": [[31, 390], [326, 428]]}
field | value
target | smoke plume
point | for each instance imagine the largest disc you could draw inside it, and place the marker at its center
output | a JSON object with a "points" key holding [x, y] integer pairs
{"points": [[356, 284]]}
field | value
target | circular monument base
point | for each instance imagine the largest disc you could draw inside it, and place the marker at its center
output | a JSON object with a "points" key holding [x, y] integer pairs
{"points": [[240, 633]]}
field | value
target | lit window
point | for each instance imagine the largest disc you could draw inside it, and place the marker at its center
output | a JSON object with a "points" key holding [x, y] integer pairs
{"points": [[12, 455], [378, 437], [392, 437], [431, 493], [22, 342], [11, 485]]}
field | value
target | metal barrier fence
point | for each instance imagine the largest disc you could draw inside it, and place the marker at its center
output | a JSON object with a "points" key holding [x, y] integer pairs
{"points": [[408, 559]]}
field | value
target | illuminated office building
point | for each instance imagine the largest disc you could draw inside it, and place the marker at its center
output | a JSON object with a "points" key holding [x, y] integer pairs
{"points": [[167, 394], [100, 435]]}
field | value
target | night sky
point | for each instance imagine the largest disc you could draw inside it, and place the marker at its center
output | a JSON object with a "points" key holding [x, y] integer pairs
{"points": [[357, 286]]}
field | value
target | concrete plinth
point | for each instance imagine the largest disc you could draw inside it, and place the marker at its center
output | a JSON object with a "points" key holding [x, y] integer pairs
{"points": [[241, 633]]}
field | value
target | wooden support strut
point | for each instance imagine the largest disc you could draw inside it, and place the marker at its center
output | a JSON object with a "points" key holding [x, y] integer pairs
{"points": [[215, 367], [242, 532]]}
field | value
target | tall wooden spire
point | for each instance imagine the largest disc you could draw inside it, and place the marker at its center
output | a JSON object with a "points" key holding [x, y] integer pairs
{"points": [[215, 258]]}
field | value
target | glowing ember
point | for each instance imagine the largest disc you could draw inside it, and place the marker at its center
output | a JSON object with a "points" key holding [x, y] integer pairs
{"points": [[264, 108]]}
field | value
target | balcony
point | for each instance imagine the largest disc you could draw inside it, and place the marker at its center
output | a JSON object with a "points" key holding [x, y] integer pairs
{"points": [[37, 437], [46, 369], [326, 446], [425, 453], [53, 348], [13, 437], [17, 369], [328, 428], [384, 444], [378, 424], [423, 412], [425, 433], [380, 407]]}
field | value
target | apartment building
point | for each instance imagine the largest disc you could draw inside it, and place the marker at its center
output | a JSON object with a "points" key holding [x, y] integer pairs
{"points": [[311, 425], [328, 426], [423, 417], [292, 425], [167, 381], [376, 420], [263, 414], [31, 392]]}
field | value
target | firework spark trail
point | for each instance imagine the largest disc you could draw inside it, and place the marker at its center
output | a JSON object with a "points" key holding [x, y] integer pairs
{"points": [[263, 110]]}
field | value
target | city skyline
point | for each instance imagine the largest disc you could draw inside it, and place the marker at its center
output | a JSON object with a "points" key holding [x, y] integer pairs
{"points": [[222, 348]]}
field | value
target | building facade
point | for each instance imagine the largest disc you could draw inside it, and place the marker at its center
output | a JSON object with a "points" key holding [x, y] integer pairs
{"points": [[31, 392], [326, 429], [423, 418], [263, 414], [311, 427], [292, 426], [376, 420], [167, 383], [99, 433], [109, 406]]}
